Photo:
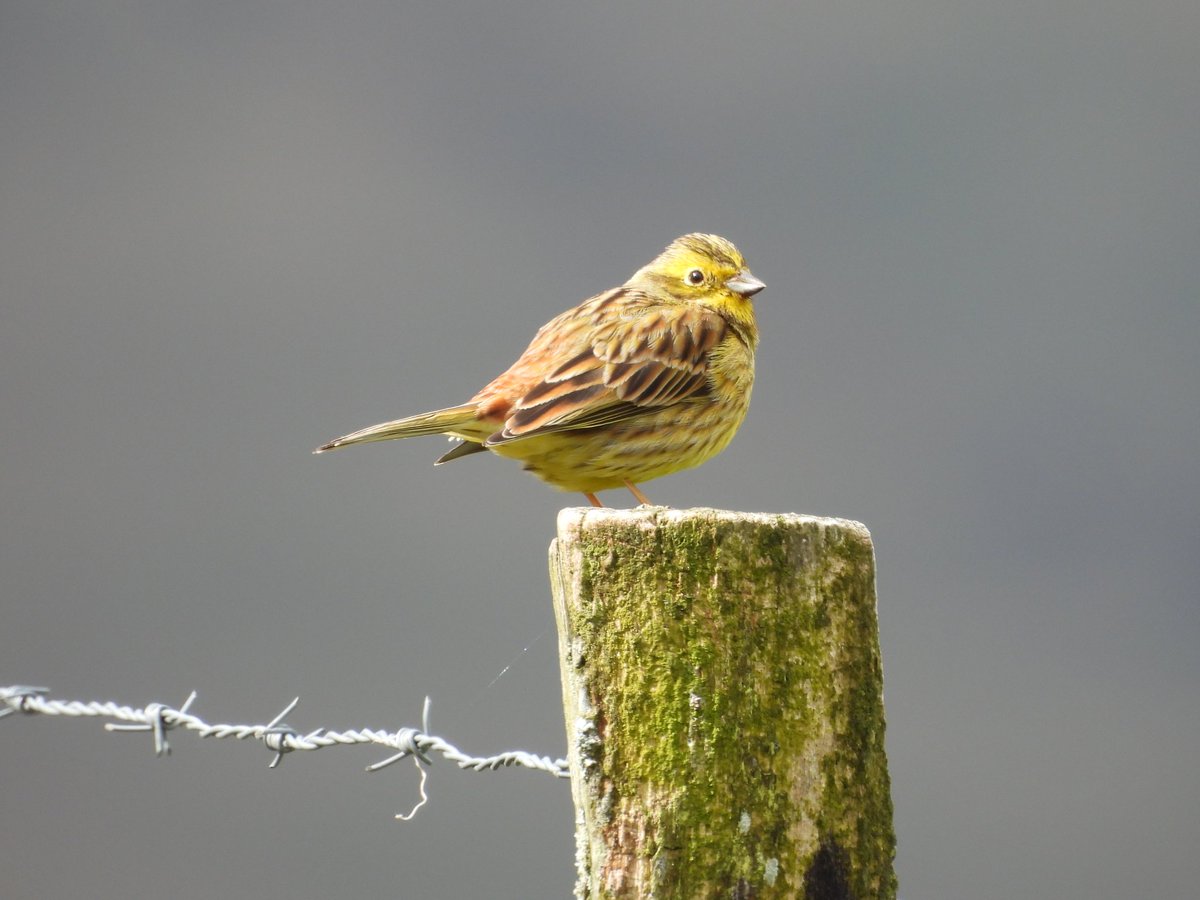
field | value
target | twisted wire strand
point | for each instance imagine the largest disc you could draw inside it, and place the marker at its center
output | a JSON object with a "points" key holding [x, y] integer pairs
{"points": [[275, 735]]}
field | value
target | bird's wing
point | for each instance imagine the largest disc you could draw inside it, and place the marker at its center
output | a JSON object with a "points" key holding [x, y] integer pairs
{"points": [[638, 357]]}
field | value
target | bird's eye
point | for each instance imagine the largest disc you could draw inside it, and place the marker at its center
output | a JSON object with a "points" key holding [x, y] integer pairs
{"points": [[695, 277]]}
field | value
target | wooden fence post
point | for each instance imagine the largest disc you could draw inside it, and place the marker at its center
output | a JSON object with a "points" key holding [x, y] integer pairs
{"points": [[724, 704]]}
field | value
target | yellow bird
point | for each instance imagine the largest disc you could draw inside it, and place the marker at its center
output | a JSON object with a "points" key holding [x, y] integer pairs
{"points": [[637, 382]]}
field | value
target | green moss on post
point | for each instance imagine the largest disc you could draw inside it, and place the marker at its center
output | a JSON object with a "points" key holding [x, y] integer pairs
{"points": [[724, 702]]}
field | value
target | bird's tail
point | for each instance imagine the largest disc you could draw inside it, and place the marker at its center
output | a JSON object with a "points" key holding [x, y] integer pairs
{"points": [[460, 421]]}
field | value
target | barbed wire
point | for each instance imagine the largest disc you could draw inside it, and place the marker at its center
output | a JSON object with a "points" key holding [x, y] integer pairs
{"points": [[276, 735]]}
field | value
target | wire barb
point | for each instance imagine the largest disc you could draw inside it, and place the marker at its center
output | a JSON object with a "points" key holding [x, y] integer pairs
{"points": [[276, 736], [17, 696], [158, 724]]}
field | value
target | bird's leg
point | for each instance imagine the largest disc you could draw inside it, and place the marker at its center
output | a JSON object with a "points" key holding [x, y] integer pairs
{"points": [[641, 498], [594, 500]]}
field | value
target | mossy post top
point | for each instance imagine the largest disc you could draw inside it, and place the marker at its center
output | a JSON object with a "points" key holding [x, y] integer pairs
{"points": [[572, 518]]}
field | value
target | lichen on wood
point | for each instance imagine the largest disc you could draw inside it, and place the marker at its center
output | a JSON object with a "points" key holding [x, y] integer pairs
{"points": [[723, 691]]}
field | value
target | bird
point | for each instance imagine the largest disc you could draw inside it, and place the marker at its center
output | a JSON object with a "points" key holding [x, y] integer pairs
{"points": [[637, 382]]}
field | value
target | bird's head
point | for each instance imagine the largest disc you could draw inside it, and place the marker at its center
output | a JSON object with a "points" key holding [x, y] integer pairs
{"points": [[704, 269]]}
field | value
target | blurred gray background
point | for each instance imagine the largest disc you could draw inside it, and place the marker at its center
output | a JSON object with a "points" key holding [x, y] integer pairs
{"points": [[232, 231]]}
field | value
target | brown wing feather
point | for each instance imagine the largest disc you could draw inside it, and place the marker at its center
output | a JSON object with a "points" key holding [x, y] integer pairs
{"points": [[635, 360]]}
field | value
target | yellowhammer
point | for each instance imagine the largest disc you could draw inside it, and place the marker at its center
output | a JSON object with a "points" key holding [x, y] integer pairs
{"points": [[637, 382]]}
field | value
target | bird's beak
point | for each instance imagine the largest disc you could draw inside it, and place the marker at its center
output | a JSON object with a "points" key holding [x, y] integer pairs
{"points": [[745, 284]]}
